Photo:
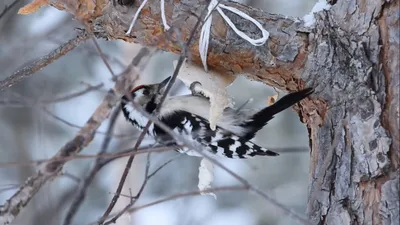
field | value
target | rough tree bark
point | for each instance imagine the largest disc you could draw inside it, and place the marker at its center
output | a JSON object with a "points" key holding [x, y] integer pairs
{"points": [[351, 58]]}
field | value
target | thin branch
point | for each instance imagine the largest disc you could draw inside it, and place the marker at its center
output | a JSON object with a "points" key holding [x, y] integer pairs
{"points": [[43, 61], [50, 170], [78, 200], [138, 63], [124, 176], [104, 156], [192, 193], [107, 139], [102, 56], [90, 88], [163, 165], [90, 51], [54, 116], [177, 196], [71, 176], [17, 103], [134, 199], [8, 187], [7, 8]]}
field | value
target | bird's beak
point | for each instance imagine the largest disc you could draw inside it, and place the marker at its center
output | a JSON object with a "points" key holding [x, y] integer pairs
{"points": [[164, 83]]}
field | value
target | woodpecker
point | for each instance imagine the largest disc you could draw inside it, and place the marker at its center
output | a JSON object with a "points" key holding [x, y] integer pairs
{"points": [[188, 116]]}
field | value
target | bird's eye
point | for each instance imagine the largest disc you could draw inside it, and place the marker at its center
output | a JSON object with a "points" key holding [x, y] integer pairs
{"points": [[146, 92]]}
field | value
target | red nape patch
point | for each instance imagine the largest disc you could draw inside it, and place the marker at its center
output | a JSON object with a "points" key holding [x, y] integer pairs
{"points": [[137, 88]]}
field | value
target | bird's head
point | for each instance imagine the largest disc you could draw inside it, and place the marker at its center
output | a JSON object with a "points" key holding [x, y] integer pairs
{"points": [[146, 96]]}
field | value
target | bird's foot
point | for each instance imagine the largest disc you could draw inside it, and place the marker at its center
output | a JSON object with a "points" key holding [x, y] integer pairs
{"points": [[195, 88]]}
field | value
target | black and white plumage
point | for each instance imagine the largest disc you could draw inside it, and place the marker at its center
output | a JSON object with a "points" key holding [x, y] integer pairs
{"points": [[188, 116]]}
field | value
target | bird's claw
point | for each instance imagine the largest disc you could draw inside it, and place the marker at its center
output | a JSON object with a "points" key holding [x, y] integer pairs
{"points": [[193, 87]]}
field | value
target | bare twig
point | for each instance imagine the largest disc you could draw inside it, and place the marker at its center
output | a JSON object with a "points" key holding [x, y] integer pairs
{"points": [[177, 196], [73, 95], [7, 8], [163, 165], [71, 176], [24, 103], [124, 176], [102, 56], [76, 203], [43, 61], [104, 156], [192, 193], [135, 198], [90, 51], [8, 187], [50, 170], [52, 115], [138, 62]]}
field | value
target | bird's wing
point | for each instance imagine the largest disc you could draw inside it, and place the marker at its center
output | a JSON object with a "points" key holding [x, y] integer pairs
{"points": [[219, 141]]}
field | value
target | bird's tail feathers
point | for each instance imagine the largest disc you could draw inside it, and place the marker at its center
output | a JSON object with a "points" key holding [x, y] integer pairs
{"points": [[260, 119]]}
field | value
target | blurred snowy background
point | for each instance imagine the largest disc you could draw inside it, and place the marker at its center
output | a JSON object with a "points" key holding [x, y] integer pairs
{"points": [[27, 132]]}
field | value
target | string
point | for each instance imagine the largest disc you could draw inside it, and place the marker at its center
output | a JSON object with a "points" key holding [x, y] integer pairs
{"points": [[163, 17], [206, 29]]}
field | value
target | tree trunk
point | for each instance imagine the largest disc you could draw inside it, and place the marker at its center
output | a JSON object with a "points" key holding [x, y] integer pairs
{"points": [[351, 59], [355, 150]]}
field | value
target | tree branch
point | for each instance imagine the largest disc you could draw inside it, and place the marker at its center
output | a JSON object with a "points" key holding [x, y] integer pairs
{"points": [[186, 194], [105, 157], [43, 61], [50, 170], [280, 62], [147, 177], [32, 103], [7, 8], [78, 200], [133, 199], [131, 209]]}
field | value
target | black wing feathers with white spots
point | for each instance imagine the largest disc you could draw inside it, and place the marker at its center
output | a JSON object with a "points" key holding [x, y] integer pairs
{"points": [[220, 141]]}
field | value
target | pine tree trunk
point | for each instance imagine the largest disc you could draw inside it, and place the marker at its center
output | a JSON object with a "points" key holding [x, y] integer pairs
{"points": [[354, 170], [350, 57]]}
